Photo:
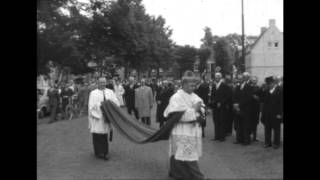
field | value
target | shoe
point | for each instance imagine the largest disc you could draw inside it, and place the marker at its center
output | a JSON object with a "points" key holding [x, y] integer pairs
{"points": [[276, 146], [106, 157], [99, 156], [267, 145]]}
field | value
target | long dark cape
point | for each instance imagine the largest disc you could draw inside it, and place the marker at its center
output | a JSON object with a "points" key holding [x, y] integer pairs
{"points": [[135, 130]]}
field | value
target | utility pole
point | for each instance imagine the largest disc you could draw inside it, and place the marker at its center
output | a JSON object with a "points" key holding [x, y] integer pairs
{"points": [[242, 63]]}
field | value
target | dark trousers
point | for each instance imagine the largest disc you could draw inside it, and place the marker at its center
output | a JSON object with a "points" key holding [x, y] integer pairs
{"points": [[255, 121], [254, 132], [229, 121], [131, 108], [276, 128], [100, 144], [246, 129], [239, 136], [219, 123], [146, 120], [242, 126], [53, 115]]}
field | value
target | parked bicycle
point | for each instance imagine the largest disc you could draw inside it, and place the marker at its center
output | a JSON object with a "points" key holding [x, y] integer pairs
{"points": [[73, 108]]}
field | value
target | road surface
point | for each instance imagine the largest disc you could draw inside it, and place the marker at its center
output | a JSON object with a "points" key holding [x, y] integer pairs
{"points": [[64, 151]]}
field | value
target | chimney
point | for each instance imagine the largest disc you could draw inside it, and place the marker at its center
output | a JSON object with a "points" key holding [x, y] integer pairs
{"points": [[272, 22], [263, 29]]}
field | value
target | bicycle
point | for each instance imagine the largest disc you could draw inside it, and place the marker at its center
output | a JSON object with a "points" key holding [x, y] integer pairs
{"points": [[73, 108]]}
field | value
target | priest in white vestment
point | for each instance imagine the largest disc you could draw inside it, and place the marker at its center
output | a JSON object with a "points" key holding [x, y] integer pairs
{"points": [[97, 123], [185, 141]]}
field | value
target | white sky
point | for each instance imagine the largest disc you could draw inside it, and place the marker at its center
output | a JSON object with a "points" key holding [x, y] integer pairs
{"points": [[188, 18]]}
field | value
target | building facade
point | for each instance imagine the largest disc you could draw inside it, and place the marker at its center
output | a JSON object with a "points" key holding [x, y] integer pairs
{"points": [[265, 57]]}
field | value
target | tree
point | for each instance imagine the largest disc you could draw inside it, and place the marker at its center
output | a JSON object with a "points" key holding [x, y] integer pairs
{"points": [[58, 35], [204, 55], [185, 57], [222, 56]]}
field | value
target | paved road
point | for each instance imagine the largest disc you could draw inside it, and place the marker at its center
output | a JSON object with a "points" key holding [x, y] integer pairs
{"points": [[64, 151]]}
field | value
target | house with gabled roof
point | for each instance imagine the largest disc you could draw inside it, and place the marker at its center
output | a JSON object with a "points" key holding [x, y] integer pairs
{"points": [[265, 56]]}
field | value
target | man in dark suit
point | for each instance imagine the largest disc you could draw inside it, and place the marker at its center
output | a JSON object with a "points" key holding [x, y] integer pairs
{"points": [[255, 109], [163, 98], [229, 114], [203, 93], [242, 105], [129, 96], [272, 113], [219, 99]]}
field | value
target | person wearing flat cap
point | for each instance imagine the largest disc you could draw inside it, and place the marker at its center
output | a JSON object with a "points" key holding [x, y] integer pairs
{"points": [[97, 124], [272, 113], [185, 140]]}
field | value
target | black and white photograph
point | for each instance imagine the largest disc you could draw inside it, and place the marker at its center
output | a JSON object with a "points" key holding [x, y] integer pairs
{"points": [[159, 89]]}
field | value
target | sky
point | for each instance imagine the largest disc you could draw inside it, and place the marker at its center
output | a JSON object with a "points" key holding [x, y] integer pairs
{"points": [[188, 18]]}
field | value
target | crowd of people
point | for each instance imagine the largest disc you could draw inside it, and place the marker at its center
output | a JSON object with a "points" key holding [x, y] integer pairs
{"points": [[241, 103], [237, 105]]}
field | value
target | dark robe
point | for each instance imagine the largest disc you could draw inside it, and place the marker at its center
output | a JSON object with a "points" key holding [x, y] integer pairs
{"points": [[220, 96], [272, 106], [185, 170]]}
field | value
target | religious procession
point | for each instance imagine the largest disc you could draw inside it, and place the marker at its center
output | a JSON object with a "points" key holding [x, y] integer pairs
{"points": [[150, 89], [237, 107]]}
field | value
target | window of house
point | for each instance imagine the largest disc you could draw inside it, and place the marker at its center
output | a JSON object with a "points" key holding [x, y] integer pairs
{"points": [[276, 44]]}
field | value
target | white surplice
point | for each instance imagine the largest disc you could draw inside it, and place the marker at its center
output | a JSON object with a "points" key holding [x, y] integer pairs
{"points": [[95, 116], [185, 141]]}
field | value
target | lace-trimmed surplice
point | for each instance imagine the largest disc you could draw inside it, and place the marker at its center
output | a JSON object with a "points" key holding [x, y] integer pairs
{"points": [[185, 141]]}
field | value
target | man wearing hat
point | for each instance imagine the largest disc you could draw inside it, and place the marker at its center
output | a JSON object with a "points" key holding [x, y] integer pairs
{"points": [[272, 113], [185, 141], [98, 125]]}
